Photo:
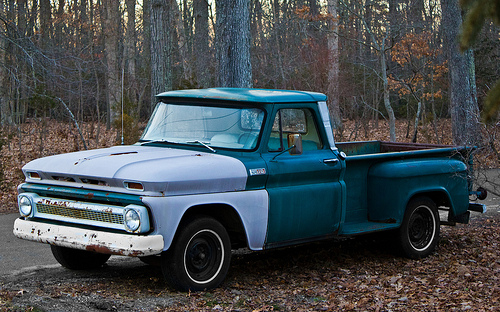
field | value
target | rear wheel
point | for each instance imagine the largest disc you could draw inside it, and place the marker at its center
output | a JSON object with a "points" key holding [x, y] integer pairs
{"points": [[76, 259], [419, 232], [199, 256]]}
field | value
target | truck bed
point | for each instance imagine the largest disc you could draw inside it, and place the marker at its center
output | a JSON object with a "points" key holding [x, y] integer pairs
{"points": [[361, 158], [377, 147]]}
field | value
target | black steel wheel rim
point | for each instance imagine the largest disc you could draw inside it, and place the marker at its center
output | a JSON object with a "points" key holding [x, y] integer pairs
{"points": [[421, 229], [204, 256]]}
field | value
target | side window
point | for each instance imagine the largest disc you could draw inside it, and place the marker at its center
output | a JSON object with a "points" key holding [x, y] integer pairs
{"points": [[297, 121]]}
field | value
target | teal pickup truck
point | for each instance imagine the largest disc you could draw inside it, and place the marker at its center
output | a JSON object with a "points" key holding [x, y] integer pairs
{"points": [[222, 169]]}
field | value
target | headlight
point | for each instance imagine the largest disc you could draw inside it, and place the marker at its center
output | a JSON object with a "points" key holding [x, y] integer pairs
{"points": [[132, 220], [25, 206]]}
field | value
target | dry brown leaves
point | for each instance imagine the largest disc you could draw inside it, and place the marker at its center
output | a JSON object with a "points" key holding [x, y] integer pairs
{"points": [[361, 274], [364, 275], [40, 138]]}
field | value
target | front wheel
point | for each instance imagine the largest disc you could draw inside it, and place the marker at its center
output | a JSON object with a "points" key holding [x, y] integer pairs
{"points": [[419, 232], [199, 256], [76, 259]]}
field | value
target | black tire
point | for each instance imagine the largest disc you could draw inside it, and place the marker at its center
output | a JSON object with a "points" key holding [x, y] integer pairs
{"points": [[199, 257], [76, 259], [419, 232], [151, 260]]}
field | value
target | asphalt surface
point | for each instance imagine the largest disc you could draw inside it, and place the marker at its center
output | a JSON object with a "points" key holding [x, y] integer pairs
{"points": [[19, 256]]}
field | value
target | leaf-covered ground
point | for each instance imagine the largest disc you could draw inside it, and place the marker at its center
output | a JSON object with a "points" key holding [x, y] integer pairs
{"points": [[362, 274]]}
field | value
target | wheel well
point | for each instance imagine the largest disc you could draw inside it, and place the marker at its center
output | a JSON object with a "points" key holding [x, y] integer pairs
{"points": [[438, 197], [223, 213]]}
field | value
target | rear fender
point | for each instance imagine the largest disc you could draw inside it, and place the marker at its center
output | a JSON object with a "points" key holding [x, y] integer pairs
{"points": [[392, 184]]}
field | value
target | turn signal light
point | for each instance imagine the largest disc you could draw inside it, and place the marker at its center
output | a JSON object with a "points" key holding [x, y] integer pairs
{"points": [[134, 186], [34, 175]]}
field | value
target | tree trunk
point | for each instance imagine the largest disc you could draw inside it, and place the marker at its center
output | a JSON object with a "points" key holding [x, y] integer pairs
{"points": [[22, 19], [233, 43], [416, 15], [113, 77], [161, 71], [281, 80], [463, 98], [417, 119], [130, 50], [334, 64], [59, 24], [146, 19], [45, 23], [387, 102], [183, 36], [201, 44]]}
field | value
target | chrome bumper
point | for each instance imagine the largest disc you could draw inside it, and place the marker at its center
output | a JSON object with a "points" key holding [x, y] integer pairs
{"points": [[90, 240]]}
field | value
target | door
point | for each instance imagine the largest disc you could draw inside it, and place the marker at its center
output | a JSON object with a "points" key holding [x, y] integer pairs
{"points": [[304, 190]]}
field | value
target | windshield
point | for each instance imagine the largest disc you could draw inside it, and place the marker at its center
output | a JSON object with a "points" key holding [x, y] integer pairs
{"points": [[226, 127]]}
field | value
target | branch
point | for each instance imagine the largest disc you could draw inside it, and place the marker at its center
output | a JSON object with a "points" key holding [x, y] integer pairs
{"points": [[72, 118], [367, 28]]}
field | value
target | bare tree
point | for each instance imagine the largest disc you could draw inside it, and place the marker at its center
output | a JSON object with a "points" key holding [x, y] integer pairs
{"points": [[201, 43], [233, 43], [380, 46], [161, 68], [45, 22], [334, 63], [113, 86], [130, 50], [463, 97]]}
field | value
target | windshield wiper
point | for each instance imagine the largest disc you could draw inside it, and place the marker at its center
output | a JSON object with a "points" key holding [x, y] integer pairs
{"points": [[202, 143], [155, 141]]}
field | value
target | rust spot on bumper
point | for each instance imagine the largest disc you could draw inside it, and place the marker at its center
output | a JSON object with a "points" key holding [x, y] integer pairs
{"points": [[106, 250]]}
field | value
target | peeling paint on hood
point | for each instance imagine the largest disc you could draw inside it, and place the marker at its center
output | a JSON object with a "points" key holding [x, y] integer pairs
{"points": [[168, 171]]}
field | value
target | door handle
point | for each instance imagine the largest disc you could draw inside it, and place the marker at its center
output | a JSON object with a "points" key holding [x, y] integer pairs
{"points": [[330, 161]]}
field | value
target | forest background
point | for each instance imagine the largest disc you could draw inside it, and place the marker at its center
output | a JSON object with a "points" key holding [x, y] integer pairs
{"points": [[392, 69]]}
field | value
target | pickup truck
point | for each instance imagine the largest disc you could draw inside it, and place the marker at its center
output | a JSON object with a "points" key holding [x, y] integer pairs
{"points": [[220, 169]]}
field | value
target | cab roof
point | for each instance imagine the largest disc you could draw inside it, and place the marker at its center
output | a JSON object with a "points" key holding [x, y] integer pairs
{"points": [[244, 95]]}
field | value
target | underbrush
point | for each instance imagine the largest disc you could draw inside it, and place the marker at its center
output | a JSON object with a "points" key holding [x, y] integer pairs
{"points": [[40, 138]]}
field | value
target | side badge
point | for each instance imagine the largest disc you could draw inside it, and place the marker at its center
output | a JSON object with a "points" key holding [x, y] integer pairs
{"points": [[259, 171]]}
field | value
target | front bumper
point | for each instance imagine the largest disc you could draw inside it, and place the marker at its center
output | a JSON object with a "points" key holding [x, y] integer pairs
{"points": [[90, 240]]}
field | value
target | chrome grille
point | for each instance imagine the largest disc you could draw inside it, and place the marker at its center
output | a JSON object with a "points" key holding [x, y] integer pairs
{"points": [[74, 213]]}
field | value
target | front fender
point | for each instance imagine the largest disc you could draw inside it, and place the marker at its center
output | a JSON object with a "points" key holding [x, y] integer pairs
{"points": [[251, 206]]}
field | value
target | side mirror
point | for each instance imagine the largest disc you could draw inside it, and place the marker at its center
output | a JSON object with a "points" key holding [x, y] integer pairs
{"points": [[294, 143]]}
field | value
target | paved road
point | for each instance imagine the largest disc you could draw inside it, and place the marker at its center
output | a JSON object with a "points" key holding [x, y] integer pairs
{"points": [[17, 255]]}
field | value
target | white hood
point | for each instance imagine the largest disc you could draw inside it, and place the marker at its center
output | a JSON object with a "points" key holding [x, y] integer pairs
{"points": [[162, 171]]}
